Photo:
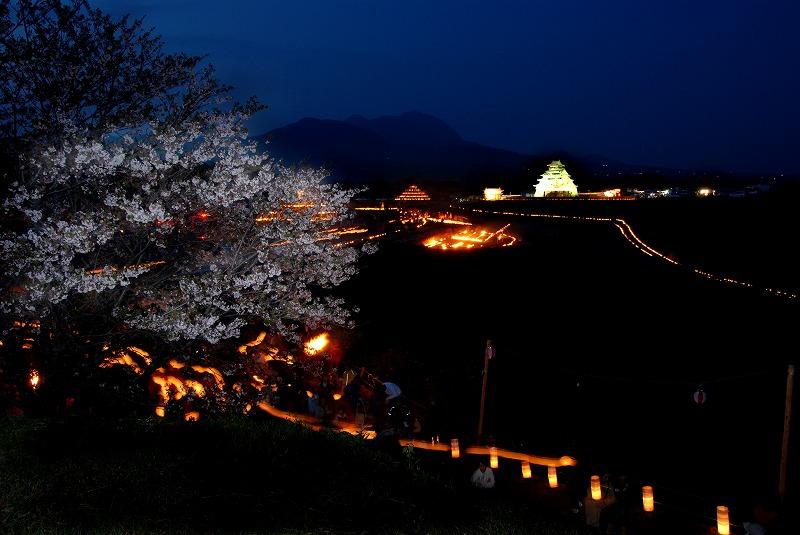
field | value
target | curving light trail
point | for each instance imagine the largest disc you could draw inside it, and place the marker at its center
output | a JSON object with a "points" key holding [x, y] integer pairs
{"points": [[502, 453], [634, 240]]}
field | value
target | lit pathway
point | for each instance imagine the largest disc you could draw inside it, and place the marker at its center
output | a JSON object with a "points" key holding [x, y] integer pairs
{"points": [[634, 240]]}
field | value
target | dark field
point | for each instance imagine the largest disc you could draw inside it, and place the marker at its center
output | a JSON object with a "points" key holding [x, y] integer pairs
{"points": [[599, 347]]}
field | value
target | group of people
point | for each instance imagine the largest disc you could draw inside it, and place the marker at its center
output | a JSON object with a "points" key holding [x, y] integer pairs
{"points": [[366, 400]]}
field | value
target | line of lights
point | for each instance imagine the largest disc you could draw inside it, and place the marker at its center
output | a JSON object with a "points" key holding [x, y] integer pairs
{"points": [[632, 238]]}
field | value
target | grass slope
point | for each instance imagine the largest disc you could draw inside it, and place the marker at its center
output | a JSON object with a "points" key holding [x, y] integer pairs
{"points": [[229, 476]]}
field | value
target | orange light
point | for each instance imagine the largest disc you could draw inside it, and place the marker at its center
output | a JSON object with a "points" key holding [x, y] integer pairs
{"points": [[723, 521], [253, 343], [212, 371], [705, 192], [647, 498], [160, 411], [526, 469], [337, 396], [455, 452], [34, 379], [316, 344], [310, 394], [191, 416], [552, 477], [596, 492], [493, 457]]}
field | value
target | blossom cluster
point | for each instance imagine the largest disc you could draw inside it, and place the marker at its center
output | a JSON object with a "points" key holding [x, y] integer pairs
{"points": [[188, 233]]}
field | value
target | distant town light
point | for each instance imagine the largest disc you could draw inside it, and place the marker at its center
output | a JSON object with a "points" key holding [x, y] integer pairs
{"points": [[492, 194], [705, 192], [611, 193]]}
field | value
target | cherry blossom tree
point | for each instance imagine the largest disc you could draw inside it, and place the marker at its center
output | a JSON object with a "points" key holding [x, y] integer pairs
{"points": [[135, 207], [187, 233]]}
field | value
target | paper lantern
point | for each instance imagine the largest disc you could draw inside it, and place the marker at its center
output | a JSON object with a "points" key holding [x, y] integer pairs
{"points": [[454, 451], [647, 498], [526, 469], [723, 521], [596, 493], [552, 477], [493, 457]]}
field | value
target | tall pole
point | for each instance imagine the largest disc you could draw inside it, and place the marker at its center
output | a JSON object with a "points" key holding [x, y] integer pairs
{"points": [[486, 356], [787, 420]]}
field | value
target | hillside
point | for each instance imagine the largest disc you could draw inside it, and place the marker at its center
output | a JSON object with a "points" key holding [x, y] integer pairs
{"points": [[234, 476]]}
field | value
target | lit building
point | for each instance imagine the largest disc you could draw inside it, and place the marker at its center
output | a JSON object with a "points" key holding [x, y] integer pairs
{"points": [[556, 182], [492, 194], [413, 193]]}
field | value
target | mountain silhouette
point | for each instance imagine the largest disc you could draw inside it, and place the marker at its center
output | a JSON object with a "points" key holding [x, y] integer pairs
{"points": [[417, 147], [410, 145]]}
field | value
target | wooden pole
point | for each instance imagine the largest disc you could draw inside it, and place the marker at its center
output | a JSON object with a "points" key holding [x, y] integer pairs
{"points": [[787, 420], [486, 357]]}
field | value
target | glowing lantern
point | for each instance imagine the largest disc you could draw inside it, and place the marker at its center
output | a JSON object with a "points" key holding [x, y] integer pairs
{"points": [[723, 521], [526, 469], [552, 477], [493, 457], [160, 412], [191, 416], [455, 452], [34, 379], [337, 397], [596, 492], [316, 344], [310, 394], [647, 498]]}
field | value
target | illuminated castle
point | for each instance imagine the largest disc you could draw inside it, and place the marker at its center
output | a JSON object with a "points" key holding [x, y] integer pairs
{"points": [[413, 193], [556, 182]]}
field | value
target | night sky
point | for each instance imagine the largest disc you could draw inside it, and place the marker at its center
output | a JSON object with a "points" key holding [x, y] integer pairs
{"points": [[665, 82]]}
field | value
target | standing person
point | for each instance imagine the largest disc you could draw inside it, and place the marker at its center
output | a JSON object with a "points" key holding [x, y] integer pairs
{"points": [[483, 477]]}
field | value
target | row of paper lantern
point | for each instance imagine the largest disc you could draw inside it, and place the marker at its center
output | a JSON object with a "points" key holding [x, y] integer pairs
{"points": [[648, 502]]}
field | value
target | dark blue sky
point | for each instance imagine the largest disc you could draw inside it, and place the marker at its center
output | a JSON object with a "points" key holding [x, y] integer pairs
{"points": [[667, 82]]}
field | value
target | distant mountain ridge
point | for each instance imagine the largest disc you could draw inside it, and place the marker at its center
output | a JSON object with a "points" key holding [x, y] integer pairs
{"points": [[419, 147], [410, 145]]}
